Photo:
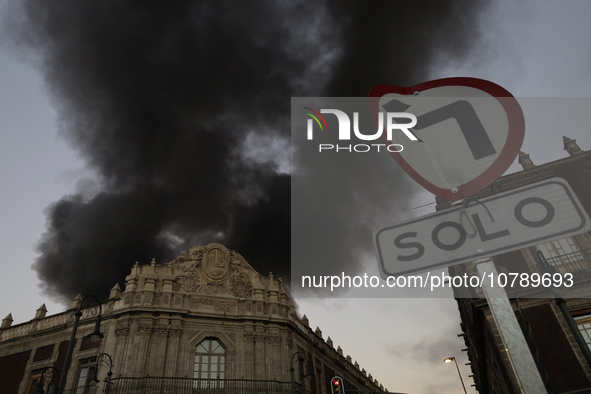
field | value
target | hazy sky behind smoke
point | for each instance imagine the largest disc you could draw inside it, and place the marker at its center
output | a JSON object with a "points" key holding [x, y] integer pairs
{"points": [[519, 48]]}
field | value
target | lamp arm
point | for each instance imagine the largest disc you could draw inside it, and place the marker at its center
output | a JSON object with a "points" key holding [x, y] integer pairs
{"points": [[97, 301]]}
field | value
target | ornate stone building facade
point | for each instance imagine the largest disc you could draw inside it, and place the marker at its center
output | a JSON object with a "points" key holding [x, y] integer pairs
{"points": [[205, 320]]}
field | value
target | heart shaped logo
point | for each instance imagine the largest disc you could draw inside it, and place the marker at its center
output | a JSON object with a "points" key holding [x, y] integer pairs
{"points": [[468, 132]]}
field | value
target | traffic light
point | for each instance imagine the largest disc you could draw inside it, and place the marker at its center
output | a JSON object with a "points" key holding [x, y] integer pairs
{"points": [[337, 385]]}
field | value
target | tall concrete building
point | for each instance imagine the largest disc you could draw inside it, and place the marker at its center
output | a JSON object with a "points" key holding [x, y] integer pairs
{"points": [[205, 322], [556, 326]]}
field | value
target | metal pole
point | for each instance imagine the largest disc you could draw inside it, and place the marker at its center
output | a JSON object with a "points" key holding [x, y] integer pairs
{"points": [[291, 369], [461, 380], [68, 360], [69, 352], [526, 371], [108, 381]]}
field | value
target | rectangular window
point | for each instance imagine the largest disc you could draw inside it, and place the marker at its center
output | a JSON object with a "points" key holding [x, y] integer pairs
{"points": [[85, 372]]}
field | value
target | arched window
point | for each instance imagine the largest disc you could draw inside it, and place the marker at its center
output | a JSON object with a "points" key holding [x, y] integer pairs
{"points": [[210, 360]]}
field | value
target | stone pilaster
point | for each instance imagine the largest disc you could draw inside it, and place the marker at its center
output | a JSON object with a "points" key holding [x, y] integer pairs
{"points": [[174, 333], [231, 364], [274, 340], [259, 353], [157, 349], [248, 339], [162, 332], [144, 331], [122, 335]]}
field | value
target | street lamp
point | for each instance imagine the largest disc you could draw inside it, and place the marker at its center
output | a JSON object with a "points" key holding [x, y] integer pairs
{"points": [[449, 360], [95, 336], [291, 369], [107, 360], [45, 380]]}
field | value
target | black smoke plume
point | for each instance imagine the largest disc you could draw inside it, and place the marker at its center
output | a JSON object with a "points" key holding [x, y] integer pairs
{"points": [[182, 110]]}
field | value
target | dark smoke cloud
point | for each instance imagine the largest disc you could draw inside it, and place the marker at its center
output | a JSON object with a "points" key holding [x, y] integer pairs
{"points": [[163, 99]]}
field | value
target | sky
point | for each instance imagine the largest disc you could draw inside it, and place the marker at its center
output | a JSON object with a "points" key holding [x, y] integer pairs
{"points": [[533, 49]]}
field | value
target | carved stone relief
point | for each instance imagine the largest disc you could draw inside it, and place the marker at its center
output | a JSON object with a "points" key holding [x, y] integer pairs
{"points": [[148, 299], [240, 287], [189, 281], [175, 332], [122, 331], [260, 338], [215, 268], [218, 306], [274, 339], [161, 331], [144, 329], [178, 300]]}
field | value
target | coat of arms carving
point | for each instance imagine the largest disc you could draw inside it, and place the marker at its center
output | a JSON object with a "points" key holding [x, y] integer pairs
{"points": [[215, 267]]}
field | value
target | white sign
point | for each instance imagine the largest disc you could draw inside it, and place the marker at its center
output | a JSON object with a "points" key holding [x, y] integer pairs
{"points": [[515, 219]]}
